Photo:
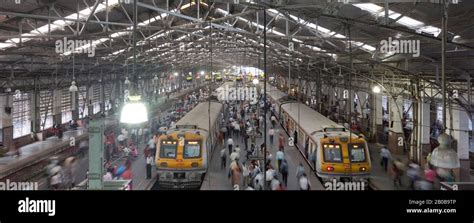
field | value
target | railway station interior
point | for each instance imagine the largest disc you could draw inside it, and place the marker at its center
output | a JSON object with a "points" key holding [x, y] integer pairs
{"points": [[236, 95]]}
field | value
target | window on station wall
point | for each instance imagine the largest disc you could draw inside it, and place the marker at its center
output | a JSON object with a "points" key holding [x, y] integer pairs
{"points": [[46, 109], [96, 98], [82, 101], [385, 106], [107, 96], [66, 106], [408, 108], [21, 116], [439, 114]]}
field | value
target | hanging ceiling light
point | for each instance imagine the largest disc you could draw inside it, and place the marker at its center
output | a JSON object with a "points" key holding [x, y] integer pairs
{"points": [[155, 78], [134, 111], [255, 81], [73, 87], [376, 89], [127, 81], [175, 73]]}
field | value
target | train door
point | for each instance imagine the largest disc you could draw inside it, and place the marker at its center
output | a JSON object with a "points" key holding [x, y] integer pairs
{"points": [[303, 141]]}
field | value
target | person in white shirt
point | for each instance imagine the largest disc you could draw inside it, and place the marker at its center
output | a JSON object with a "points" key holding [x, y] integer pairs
{"points": [[273, 118], [270, 174], [271, 133], [107, 176], [152, 146], [230, 143], [149, 162], [304, 182], [223, 158], [275, 183], [235, 155], [258, 181]]}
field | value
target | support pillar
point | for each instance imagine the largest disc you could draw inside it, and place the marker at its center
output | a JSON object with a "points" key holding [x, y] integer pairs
{"points": [[6, 121], [75, 105], [458, 127], [96, 148], [377, 117], [362, 110], [57, 94], [90, 96], [396, 142], [423, 132], [35, 116], [102, 97]]}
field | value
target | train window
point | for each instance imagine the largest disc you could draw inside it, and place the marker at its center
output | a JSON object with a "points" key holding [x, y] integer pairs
{"points": [[357, 152], [332, 153], [192, 149], [168, 150]]}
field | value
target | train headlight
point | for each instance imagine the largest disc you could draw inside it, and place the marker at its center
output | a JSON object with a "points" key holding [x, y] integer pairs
{"points": [[330, 168], [164, 164], [194, 164], [362, 169]]}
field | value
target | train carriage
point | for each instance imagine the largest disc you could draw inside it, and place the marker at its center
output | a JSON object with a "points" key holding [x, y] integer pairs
{"points": [[274, 96], [183, 153], [339, 153]]}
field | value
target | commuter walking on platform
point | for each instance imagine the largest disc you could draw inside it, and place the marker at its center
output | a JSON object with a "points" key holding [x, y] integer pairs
{"points": [[230, 143], [304, 182], [271, 133], [281, 142], [280, 156], [149, 162], [385, 156], [235, 172], [284, 172], [223, 158], [273, 118], [300, 171]]}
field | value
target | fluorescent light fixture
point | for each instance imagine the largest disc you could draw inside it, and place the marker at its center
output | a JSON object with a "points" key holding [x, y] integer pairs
{"points": [[376, 89], [73, 87], [175, 73], [417, 25], [326, 32], [134, 112], [59, 24]]}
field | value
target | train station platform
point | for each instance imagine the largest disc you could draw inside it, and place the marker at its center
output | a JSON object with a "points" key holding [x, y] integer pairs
{"points": [[379, 178], [23, 167], [217, 178]]}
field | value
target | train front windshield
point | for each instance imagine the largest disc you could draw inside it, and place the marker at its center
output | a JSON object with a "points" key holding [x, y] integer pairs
{"points": [[332, 153], [168, 150], [357, 152], [192, 150]]}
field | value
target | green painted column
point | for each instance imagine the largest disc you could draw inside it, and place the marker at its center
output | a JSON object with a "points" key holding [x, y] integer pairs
{"points": [[96, 148]]}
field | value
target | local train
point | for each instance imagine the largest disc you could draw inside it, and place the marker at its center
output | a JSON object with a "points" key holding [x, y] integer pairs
{"points": [[340, 154], [183, 154]]}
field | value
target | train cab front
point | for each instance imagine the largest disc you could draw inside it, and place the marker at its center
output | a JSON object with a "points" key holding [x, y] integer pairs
{"points": [[179, 163], [345, 160]]}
